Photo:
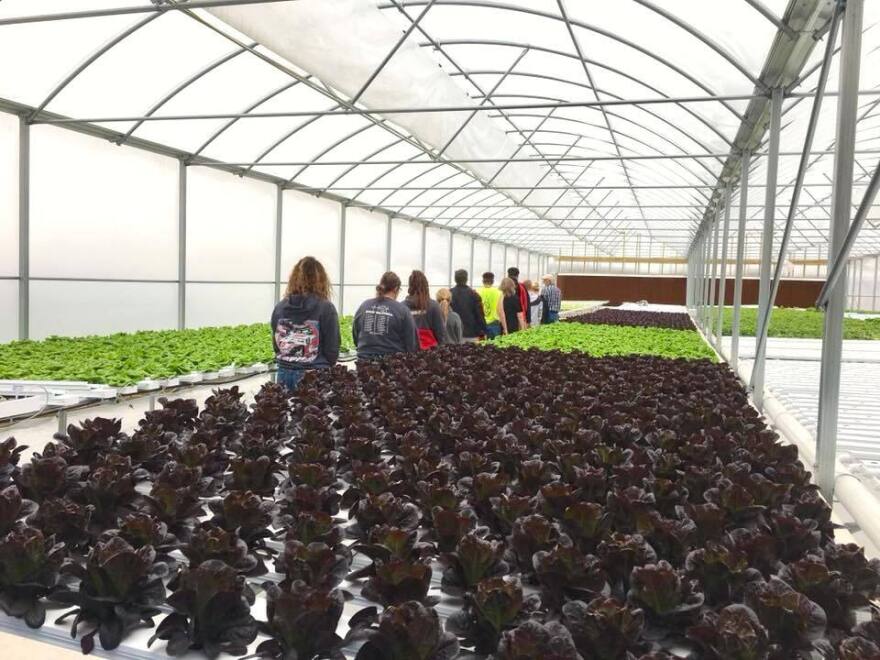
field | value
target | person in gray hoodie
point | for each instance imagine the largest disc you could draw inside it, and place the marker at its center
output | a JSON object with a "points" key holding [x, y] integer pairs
{"points": [[430, 324], [383, 326], [305, 325]]}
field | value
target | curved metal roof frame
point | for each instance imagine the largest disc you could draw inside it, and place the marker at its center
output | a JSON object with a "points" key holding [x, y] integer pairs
{"points": [[563, 167]]}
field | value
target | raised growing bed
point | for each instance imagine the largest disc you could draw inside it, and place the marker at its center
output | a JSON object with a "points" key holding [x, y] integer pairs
{"points": [[799, 323], [569, 508], [628, 317], [601, 340], [125, 359]]}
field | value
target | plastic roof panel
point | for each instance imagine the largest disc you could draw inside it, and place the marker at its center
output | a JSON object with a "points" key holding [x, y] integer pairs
{"points": [[518, 167]]}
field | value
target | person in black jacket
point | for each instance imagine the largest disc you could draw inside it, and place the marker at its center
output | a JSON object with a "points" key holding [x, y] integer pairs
{"points": [[469, 306], [430, 324], [305, 325]]}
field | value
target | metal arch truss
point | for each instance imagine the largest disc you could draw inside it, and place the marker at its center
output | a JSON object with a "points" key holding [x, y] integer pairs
{"points": [[558, 142]]}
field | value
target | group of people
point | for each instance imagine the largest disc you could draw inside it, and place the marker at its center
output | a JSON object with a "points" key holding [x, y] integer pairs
{"points": [[305, 324]]}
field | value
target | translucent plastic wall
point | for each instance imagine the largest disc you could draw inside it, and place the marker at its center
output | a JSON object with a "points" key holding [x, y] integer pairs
{"points": [[8, 227], [105, 230], [864, 284]]}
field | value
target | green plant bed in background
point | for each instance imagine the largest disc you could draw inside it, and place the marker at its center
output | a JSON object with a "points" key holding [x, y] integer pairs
{"points": [[126, 358], [601, 340], [803, 323], [571, 305]]}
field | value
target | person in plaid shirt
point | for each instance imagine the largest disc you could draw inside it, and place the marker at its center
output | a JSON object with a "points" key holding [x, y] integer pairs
{"points": [[552, 299]]}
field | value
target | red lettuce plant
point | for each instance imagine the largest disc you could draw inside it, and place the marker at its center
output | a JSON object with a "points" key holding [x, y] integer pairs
{"points": [[29, 567], [13, 507], [301, 622], [668, 598], [211, 612], [208, 541], [10, 453], [409, 631], [793, 620], [120, 589], [535, 640], [66, 520], [604, 628], [474, 559], [316, 564], [734, 633], [399, 580], [497, 604]]}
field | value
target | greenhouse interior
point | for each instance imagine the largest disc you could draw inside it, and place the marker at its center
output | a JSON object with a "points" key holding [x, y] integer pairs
{"points": [[440, 329]]}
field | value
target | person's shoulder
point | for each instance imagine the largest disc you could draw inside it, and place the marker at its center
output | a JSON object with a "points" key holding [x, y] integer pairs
{"points": [[327, 307]]}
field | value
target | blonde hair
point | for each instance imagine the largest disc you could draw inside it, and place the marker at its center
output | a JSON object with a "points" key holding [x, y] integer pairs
{"points": [[508, 288], [309, 277], [444, 297]]}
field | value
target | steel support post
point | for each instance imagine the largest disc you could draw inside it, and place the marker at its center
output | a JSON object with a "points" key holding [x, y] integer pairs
{"points": [[740, 260], [698, 278], [472, 275], [841, 201], [764, 289], [388, 243], [708, 273], [279, 215], [181, 245], [24, 228], [343, 212], [761, 335], [424, 247], [874, 288], [713, 282], [688, 281], [722, 283], [449, 269]]}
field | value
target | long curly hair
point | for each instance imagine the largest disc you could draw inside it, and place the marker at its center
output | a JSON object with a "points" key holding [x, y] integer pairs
{"points": [[309, 277], [418, 290]]}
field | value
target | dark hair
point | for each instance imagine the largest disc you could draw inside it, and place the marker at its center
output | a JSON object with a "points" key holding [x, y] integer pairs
{"points": [[488, 278], [418, 290], [513, 272], [389, 282], [309, 277], [461, 276]]}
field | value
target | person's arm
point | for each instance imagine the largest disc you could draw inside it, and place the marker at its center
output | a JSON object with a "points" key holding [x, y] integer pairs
{"points": [[459, 330], [480, 314], [410, 334], [330, 339], [501, 316], [523, 309], [273, 323], [355, 325]]}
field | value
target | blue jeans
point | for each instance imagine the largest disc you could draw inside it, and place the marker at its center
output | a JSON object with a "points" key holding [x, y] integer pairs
{"points": [[552, 317], [290, 377], [493, 329]]}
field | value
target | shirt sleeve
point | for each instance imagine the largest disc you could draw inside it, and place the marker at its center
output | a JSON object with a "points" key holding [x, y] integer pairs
{"points": [[273, 323], [330, 334], [479, 313], [410, 334], [355, 325]]}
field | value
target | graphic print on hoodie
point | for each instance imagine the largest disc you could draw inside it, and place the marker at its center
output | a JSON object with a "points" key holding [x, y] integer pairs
{"points": [[298, 342]]}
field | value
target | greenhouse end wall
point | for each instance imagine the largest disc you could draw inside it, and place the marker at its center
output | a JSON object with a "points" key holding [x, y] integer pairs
{"points": [[106, 231]]}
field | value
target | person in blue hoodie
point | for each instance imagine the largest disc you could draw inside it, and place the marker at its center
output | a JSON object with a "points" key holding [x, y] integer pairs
{"points": [[305, 325]]}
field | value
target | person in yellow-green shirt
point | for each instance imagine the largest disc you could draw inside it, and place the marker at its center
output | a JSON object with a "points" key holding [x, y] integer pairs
{"points": [[490, 297]]}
